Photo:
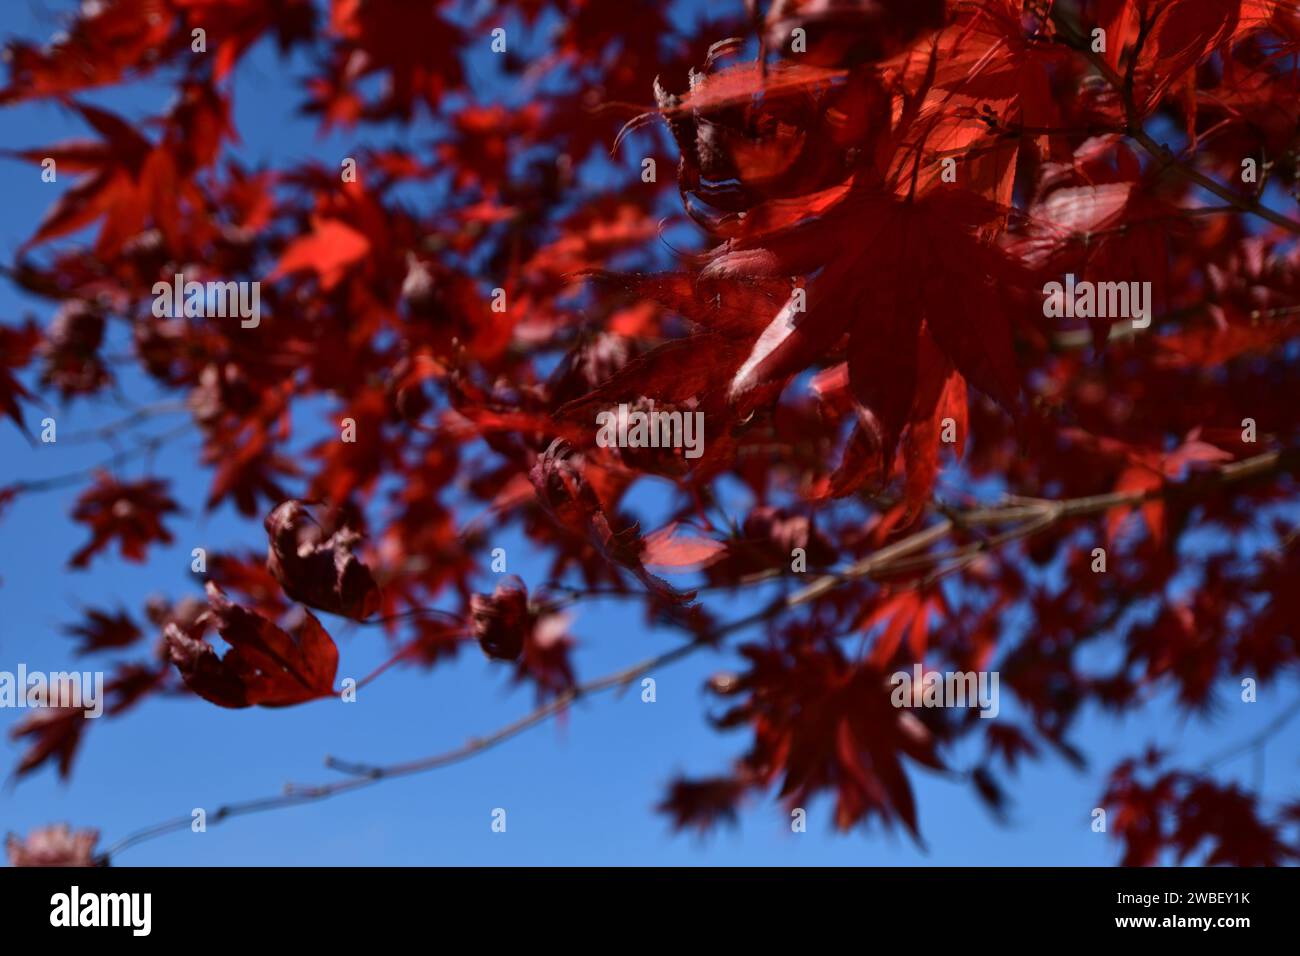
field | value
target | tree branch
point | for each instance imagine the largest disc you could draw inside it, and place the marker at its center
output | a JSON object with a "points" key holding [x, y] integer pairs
{"points": [[1137, 131], [1028, 515]]}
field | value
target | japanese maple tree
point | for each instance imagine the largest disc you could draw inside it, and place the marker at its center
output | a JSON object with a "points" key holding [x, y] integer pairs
{"points": [[826, 228]]}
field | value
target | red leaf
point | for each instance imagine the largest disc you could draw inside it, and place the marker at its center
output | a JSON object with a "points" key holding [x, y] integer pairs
{"points": [[264, 666], [104, 631], [669, 548], [321, 572], [132, 512], [703, 804], [330, 250], [56, 734], [501, 622], [17, 346]]}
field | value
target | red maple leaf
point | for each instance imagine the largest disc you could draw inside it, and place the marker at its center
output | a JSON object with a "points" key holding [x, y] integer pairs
{"points": [[131, 512], [265, 666]]}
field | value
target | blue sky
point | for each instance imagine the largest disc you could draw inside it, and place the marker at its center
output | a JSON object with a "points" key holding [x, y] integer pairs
{"points": [[580, 791]]}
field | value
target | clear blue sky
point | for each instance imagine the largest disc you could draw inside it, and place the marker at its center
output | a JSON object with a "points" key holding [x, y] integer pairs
{"points": [[577, 792]]}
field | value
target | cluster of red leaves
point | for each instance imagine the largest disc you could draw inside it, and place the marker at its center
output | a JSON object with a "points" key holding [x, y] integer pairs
{"points": [[824, 723], [54, 845], [862, 332], [1195, 816], [509, 627]]}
